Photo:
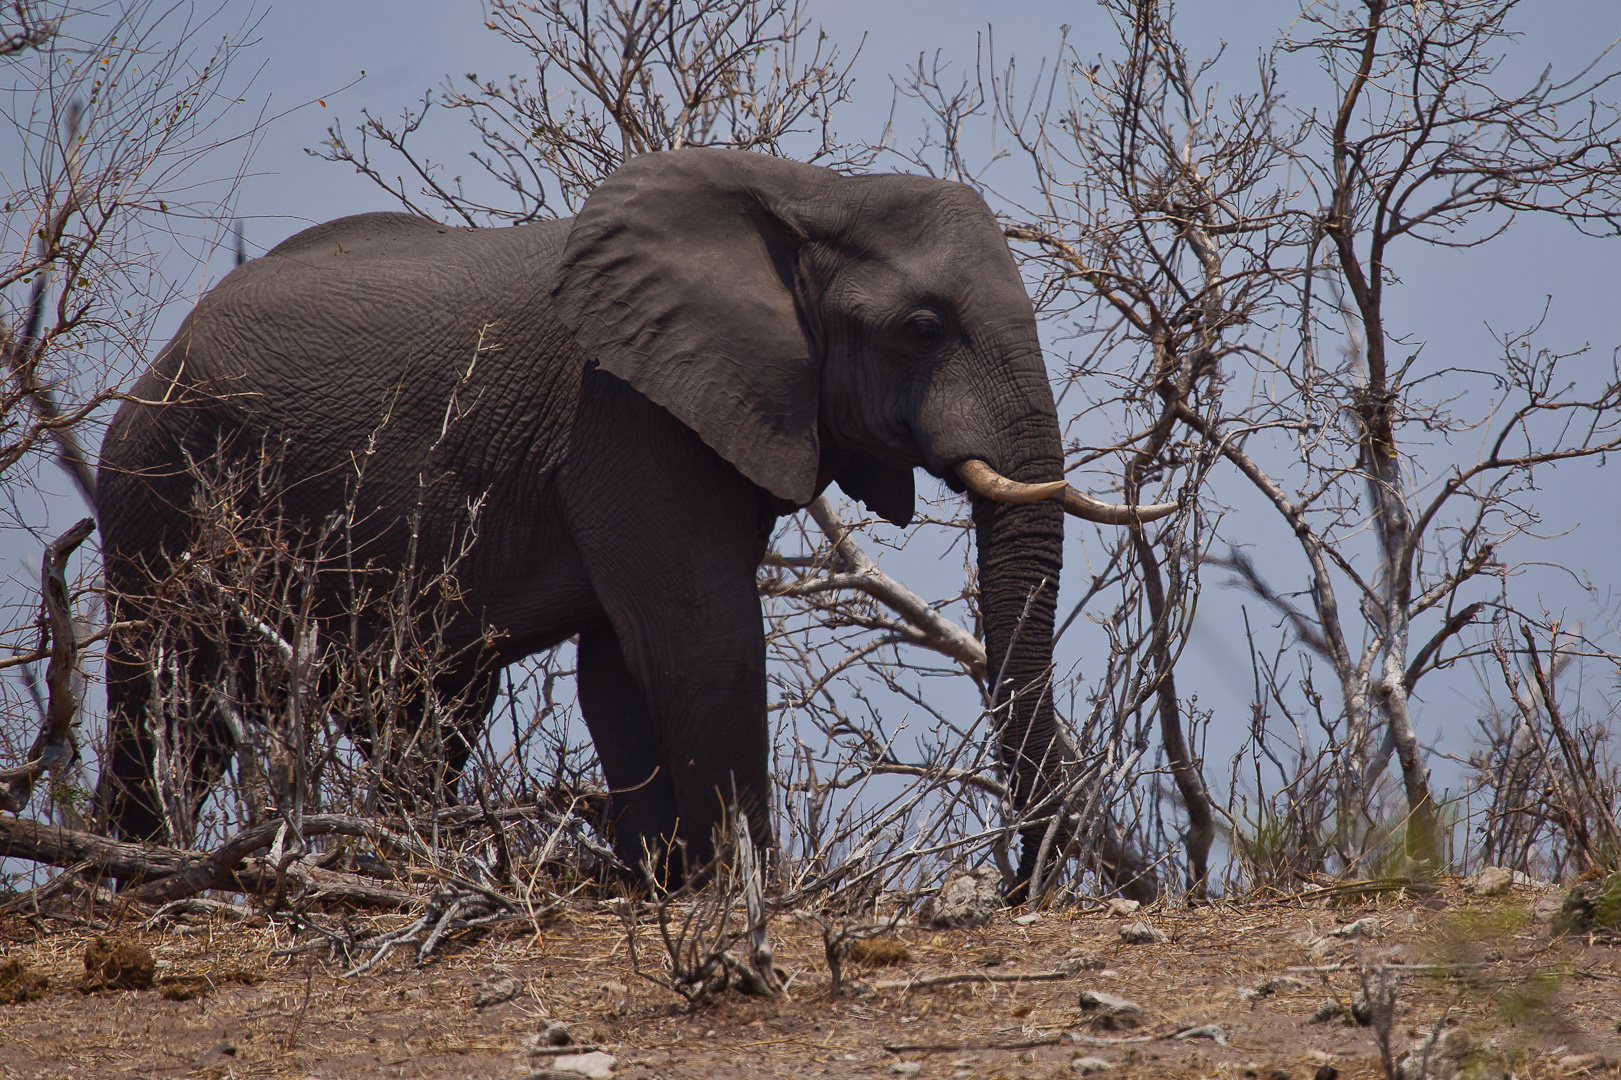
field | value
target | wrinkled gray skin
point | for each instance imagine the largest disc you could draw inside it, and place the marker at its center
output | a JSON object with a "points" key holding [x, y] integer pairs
{"points": [[716, 338]]}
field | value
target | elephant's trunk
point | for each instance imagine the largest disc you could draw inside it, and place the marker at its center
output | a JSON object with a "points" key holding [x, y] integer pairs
{"points": [[1020, 556]]}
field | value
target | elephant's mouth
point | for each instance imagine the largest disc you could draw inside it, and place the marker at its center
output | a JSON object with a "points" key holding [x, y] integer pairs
{"points": [[985, 481]]}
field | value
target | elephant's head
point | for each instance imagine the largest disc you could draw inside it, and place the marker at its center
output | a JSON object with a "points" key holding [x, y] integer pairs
{"points": [[815, 327]]}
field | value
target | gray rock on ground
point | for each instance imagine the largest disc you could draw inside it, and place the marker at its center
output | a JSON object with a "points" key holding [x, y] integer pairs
{"points": [[551, 1033], [1080, 961], [1111, 1013], [1591, 906], [1088, 1065], [1491, 881], [496, 987], [1140, 933], [593, 1066], [969, 898]]}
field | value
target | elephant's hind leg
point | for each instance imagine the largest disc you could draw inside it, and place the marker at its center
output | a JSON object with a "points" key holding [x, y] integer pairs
{"points": [[642, 807]]}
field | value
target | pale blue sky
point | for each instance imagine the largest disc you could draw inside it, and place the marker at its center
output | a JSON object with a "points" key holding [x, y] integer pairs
{"points": [[309, 50]]}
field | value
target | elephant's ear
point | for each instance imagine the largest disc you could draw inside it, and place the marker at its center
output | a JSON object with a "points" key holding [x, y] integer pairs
{"points": [[679, 276], [887, 491]]}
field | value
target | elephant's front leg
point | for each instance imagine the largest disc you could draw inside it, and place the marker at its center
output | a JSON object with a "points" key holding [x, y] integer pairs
{"points": [[669, 535]]}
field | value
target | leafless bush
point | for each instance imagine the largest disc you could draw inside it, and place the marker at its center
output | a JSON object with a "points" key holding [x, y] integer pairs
{"points": [[706, 921], [1552, 784]]}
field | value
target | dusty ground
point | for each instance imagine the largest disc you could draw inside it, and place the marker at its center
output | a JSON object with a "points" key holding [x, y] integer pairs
{"points": [[1525, 1002]]}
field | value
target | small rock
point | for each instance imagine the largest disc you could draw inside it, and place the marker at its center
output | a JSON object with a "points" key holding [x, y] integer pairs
{"points": [[1589, 906], [1112, 1013], [1361, 1012], [497, 987], [1120, 908], [1027, 920], [1328, 1010], [1362, 928], [1203, 1031], [117, 966], [551, 1033], [1140, 933], [214, 1057], [1078, 962], [880, 952], [968, 898], [1492, 881], [1580, 1063], [1088, 1065], [1270, 986], [593, 1066], [1414, 1067], [906, 1068], [1455, 1043]]}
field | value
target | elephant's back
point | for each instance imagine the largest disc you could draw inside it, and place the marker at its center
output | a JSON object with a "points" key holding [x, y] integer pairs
{"points": [[368, 356]]}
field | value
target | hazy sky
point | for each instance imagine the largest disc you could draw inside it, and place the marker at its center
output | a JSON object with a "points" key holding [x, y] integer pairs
{"points": [[308, 50]]}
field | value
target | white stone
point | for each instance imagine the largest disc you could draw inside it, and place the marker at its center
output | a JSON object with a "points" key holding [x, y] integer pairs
{"points": [[594, 1066], [906, 1068], [1492, 881], [1027, 920], [968, 898], [1362, 928], [1140, 933], [1088, 1065]]}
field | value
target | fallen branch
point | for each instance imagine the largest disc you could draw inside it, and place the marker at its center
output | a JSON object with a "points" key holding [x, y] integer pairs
{"points": [[55, 845], [968, 977], [946, 1048], [167, 874]]}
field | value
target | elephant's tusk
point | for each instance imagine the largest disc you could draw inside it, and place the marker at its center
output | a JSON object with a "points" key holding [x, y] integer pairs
{"points": [[984, 480], [1108, 513]]}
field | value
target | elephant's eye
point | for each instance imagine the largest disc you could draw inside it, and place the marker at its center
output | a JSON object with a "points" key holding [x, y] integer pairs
{"points": [[926, 329]]}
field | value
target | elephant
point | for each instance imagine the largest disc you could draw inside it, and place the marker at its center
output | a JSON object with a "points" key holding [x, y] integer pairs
{"points": [[639, 393]]}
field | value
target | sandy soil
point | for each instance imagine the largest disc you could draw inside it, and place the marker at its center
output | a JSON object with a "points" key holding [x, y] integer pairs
{"points": [[1516, 999]]}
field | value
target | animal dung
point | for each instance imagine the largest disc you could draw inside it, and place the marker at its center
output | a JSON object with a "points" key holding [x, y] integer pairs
{"points": [[117, 965], [20, 983], [880, 952]]}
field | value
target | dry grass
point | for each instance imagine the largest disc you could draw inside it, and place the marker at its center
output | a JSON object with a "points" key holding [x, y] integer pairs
{"points": [[1526, 999]]}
